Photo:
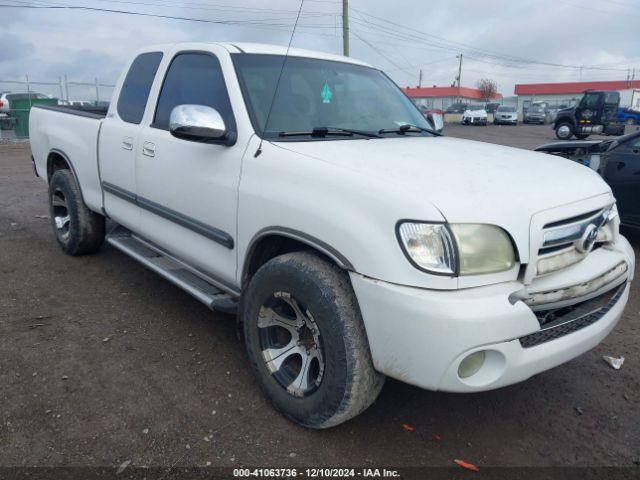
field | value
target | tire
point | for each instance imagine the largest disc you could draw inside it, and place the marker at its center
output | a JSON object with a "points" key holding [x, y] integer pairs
{"points": [[630, 121], [564, 130], [581, 136], [313, 302], [78, 230]]}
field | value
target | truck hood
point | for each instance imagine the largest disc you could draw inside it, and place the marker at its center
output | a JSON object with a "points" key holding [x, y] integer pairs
{"points": [[475, 113], [467, 181]]}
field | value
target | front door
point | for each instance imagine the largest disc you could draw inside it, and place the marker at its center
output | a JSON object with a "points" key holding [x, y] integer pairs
{"points": [[187, 190]]}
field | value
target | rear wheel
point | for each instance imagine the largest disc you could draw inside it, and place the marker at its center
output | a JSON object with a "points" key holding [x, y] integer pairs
{"points": [[306, 341], [564, 130], [78, 230]]}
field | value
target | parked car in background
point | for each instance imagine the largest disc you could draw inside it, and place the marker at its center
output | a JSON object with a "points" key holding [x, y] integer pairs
{"points": [[7, 97], [628, 116], [527, 104], [435, 117], [553, 110], [505, 115], [459, 107], [5, 105], [352, 241], [474, 115], [426, 111], [618, 161], [491, 107], [535, 114]]}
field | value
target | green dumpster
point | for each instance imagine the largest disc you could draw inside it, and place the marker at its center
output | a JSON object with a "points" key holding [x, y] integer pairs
{"points": [[20, 113]]}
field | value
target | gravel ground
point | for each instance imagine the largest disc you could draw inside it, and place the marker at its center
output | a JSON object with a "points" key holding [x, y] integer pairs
{"points": [[102, 362]]}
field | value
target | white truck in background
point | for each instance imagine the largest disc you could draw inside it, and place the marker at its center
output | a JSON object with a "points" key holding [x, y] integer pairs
{"points": [[352, 242]]}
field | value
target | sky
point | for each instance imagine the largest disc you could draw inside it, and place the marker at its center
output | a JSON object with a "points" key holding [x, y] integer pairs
{"points": [[509, 41]]}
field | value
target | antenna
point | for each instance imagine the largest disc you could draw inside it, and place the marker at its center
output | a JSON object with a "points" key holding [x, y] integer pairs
{"points": [[275, 92]]}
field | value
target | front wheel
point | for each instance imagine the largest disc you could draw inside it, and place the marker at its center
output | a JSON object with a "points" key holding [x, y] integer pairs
{"points": [[564, 130], [306, 341]]}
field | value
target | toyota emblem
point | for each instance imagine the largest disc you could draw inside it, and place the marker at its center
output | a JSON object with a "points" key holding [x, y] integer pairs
{"points": [[585, 243]]}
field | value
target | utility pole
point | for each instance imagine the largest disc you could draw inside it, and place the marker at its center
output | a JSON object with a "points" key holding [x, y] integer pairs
{"points": [[66, 87], [420, 79], [459, 74], [345, 28]]}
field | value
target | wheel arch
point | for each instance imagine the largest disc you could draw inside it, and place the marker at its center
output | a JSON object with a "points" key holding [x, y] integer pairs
{"points": [[564, 118], [58, 160], [271, 242]]}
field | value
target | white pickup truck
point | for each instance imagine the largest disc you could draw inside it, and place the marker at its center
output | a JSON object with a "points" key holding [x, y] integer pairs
{"points": [[352, 242]]}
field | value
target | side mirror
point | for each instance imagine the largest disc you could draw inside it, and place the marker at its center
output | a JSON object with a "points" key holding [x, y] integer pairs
{"points": [[197, 122], [436, 121]]}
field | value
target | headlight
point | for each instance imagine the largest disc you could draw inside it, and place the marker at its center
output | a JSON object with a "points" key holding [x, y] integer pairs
{"points": [[457, 249], [429, 246], [483, 248]]}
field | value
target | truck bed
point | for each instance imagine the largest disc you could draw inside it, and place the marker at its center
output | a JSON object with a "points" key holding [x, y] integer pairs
{"points": [[89, 112], [72, 133]]}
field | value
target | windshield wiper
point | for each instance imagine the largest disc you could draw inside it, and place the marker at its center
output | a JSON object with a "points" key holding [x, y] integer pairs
{"points": [[320, 132], [407, 127]]}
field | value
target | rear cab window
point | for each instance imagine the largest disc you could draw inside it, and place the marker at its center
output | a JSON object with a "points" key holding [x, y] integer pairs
{"points": [[136, 87]]}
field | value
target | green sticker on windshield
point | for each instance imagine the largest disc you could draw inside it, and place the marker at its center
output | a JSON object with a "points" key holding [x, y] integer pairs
{"points": [[326, 93]]}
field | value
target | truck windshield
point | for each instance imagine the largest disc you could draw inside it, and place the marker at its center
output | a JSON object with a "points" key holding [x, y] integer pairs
{"points": [[320, 95]]}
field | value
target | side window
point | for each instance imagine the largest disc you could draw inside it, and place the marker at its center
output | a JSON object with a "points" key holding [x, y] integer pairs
{"points": [[611, 97], [196, 79], [591, 100], [634, 144], [135, 89]]}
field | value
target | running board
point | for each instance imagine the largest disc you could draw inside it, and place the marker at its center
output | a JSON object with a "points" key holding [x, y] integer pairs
{"points": [[177, 272]]}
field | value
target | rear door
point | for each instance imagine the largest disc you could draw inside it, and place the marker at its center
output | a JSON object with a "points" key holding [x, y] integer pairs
{"points": [[623, 175], [187, 190], [118, 141]]}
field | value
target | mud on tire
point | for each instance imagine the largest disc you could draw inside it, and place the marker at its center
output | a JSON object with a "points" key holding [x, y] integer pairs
{"points": [[304, 288]]}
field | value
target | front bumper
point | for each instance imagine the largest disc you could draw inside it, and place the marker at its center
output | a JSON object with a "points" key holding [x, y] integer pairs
{"points": [[474, 120], [421, 336], [511, 121]]}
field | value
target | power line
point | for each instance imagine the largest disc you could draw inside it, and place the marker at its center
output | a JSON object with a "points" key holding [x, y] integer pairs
{"points": [[444, 44], [379, 52], [156, 15]]}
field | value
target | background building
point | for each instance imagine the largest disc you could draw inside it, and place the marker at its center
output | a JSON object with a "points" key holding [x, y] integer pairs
{"points": [[442, 97], [569, 93]]}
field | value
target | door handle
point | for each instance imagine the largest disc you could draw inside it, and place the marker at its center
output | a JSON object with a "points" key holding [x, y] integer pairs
{"points": [[149, 149], [127, 143]]}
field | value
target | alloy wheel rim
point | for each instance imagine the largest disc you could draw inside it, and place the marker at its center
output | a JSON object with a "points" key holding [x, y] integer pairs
{"points": [[291, 344], [61, 216]]}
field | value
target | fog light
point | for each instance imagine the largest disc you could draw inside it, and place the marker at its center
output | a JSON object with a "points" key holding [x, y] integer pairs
{"points": [[471, 364]]}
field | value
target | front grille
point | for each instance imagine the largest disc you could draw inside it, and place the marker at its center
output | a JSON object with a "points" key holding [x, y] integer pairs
{"points": [[559, 322], [558, 249]]}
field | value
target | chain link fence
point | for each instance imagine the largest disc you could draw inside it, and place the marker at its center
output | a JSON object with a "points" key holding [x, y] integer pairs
{"points": [[17, 96]]}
